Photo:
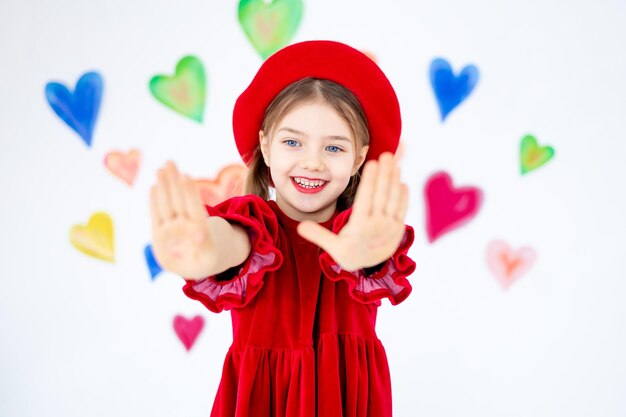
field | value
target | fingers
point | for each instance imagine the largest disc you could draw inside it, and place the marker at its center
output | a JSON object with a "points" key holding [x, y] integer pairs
{"points": [[380, 191], [157, 219], [164, 207], [171, 197], [319, 235], [175, 190], [193, 202], [395, 194], [386, 168], [362, 205], [404, 202]]}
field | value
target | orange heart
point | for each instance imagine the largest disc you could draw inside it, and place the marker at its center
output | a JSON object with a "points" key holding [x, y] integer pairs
{"points": [[399, 152], [229, 183], [370, 54], [507, 265], [123, 165]]}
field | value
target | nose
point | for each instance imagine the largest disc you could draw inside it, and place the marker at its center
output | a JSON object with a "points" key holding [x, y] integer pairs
{"points": [[312, 160]]}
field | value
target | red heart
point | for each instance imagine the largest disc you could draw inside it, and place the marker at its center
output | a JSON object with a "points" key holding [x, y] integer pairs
{"points": [[448, 208], [229, 183], [188, 330]]}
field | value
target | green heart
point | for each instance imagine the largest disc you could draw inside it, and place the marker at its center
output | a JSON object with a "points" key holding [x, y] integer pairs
{"points": [[532, 156], [184, 92], [269, 24]]}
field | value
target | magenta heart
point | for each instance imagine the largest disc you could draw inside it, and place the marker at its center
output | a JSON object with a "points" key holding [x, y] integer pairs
{"points": [[188, 330], [448, 208]]}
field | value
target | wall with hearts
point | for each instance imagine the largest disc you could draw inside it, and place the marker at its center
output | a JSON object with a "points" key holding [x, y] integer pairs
{"points": [[513, 148]]}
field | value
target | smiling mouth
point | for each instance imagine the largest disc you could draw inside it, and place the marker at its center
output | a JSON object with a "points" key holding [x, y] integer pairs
{"points": [[308, 186]]}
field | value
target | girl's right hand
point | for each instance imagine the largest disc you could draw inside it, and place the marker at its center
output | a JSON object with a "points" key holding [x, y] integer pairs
{"points": [[181, 239]]}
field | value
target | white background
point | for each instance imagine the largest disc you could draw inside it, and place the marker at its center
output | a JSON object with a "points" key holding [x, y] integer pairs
{"points": [[82, 337]]}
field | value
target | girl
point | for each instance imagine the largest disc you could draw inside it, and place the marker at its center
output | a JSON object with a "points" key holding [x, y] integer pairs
{"points": [[302, 275]]}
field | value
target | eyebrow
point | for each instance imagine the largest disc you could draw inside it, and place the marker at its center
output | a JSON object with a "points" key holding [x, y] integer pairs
{"points": [[297, 132]]}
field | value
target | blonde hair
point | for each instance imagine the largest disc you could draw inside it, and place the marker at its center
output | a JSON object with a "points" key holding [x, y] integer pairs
{"points": [[342, 100]]}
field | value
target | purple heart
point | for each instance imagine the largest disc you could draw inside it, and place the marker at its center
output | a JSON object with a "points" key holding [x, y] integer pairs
{"points": [[451, 90], [80, 109]]}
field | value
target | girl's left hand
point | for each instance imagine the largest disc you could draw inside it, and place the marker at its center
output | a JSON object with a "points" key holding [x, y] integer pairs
{"points": [[376, 225]]}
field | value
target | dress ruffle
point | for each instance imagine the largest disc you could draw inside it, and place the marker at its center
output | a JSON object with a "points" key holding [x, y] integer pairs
{"points": [[238, 286], [387, 282]]}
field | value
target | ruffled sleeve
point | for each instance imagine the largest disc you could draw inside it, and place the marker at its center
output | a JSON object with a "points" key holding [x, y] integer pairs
{"points": [[370, 285], [237, 286]]}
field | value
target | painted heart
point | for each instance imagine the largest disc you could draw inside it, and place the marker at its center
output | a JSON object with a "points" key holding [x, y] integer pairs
{"points": [[96, 238], [371, 55], [188, 330], [399, 152], [448, 208], [451, 90], [153, 266], [184, 92], [229, 183], [506, 264], [79, 110], [269, 24], [123, 165], [532, 156]]}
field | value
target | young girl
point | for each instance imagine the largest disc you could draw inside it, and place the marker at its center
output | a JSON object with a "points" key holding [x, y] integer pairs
{"points": [[302, 275]]}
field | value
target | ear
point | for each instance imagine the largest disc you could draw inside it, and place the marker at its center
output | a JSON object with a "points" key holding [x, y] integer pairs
{"points": [[360, 158], [265, 147]]}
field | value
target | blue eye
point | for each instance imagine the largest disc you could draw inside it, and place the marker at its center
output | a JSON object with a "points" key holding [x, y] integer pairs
{"points": [[291, 142], [334, 149]]}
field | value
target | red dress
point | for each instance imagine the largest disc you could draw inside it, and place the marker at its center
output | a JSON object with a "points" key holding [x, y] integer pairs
{"points": [[304, 343]]}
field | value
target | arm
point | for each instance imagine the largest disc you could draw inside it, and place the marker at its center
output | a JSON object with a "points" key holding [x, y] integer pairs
{"points": [[233, 249], [185, 240]]}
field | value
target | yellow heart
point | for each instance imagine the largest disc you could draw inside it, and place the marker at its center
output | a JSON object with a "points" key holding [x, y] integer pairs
{"points": [[95, 239]]}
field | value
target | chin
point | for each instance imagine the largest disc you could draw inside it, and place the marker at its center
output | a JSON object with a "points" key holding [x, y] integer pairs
{"points": [[310, 208]]}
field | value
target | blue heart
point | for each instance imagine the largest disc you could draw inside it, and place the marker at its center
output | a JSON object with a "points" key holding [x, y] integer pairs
{"points": [[450, 90], [153, 265], [78, 110]]}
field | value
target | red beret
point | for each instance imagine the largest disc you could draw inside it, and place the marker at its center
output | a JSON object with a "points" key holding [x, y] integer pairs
{"points": [[328, 60]]}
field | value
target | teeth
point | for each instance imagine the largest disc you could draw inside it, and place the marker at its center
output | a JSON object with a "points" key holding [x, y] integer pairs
{"points": [[309, 184]]}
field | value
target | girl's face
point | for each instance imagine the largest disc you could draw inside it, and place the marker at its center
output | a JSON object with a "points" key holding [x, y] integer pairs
{"points": [[312, 154]]}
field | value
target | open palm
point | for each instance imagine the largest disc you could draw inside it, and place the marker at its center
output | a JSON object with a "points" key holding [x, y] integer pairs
{"points": [[376, 225], [181, 241]]}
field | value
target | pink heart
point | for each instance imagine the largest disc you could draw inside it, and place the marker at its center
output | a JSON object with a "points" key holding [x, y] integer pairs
{"points": [[188, 330], [123, 165], [448, 208], [507, 265]]}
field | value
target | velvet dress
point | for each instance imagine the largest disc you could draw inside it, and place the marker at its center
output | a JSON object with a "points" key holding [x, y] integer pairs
{"points": [[304, 340]]}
